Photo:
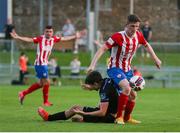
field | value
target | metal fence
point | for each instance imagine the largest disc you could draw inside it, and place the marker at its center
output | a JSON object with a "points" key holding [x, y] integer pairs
{"points": [[168, 76], [8, 61]]}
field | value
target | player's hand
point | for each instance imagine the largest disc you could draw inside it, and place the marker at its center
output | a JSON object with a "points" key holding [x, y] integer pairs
{"points": [[79, 112], [76, 106], [96, 42], [90, 69], [14, 35], [86, 86], [158, 63]]}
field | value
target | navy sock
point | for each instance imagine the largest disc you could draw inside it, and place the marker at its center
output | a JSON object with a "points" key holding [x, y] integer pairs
{"points": [[57, 116]]}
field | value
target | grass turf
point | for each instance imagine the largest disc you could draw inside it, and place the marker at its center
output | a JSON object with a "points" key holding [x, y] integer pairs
{"points": [[158, 109]]}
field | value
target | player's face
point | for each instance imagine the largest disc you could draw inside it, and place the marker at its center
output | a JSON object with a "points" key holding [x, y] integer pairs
{"points": [[132, 28], [48, 33]]}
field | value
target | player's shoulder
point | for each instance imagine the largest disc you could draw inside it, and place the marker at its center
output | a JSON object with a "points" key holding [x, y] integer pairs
{"points": [[56, 37], [117, 36], [107, 82], [38, 37], [119, 33], [139, 33]]}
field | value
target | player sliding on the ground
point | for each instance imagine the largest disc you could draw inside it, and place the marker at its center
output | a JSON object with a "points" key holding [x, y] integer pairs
{"points": [[106, 110]]}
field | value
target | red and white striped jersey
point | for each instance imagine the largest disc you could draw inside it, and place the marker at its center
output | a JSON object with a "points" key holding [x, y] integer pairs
{"points": [[123, 49], [44, 48]]}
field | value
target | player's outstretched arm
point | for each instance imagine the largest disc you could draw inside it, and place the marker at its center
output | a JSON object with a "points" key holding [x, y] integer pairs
{"points": [[16, 36], [96, 57], [98, 43], [150, 50], [67, 38]]}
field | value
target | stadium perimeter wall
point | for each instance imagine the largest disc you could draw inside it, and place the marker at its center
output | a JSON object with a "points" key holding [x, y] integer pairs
{"points": [[164, 16]]}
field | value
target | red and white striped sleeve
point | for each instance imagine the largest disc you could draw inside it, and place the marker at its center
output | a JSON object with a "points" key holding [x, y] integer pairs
{"points": [[57, 39], [36, 39], [115, 39], [141, 38]]}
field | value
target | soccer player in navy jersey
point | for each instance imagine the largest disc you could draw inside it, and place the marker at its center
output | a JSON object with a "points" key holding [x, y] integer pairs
{"points": [[123, 46], [106, 110], [45, 44]]}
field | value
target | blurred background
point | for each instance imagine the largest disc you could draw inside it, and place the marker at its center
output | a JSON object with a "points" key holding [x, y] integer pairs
{"points": [[96, 20]]}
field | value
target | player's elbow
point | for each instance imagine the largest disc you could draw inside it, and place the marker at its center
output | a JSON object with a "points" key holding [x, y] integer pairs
{"points": [[104, 48]]}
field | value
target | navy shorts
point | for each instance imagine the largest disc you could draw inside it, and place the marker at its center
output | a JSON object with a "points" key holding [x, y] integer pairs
{"points": [[108, 118], [41, 71]]}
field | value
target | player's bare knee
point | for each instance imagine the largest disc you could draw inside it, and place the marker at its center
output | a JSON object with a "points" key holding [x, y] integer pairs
{"points": [[124, 84], [126, 89], [133, 95], [40, 83]]}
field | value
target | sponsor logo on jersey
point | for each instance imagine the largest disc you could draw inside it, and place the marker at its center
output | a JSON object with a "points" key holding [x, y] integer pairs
{"points": [[119, 76]]}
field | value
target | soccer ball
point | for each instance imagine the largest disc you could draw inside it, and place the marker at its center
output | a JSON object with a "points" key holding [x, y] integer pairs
{"points": [[137, 83]]}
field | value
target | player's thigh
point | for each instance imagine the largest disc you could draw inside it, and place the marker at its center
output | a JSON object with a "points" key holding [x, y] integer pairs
{"points": [[90, 109], [133, 95], [129, 74], [45, 81], [116, 74]]}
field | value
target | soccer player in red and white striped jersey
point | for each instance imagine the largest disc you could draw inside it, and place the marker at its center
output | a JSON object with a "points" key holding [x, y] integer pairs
{"points": [[123, 46], [45, 44]]}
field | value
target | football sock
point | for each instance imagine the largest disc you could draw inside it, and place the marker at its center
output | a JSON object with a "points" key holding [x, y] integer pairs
{"points": [[45, 92], [122, 101], [57, 116], [32, 88], [128, 110]]}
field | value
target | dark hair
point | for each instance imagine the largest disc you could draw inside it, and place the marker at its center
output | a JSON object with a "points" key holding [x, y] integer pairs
{"points": [[133, 19], [93, 77], [48, 27]]}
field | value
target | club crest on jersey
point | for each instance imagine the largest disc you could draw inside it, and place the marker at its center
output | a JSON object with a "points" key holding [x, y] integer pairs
{"points": [[44, 74], [119, 76], [110, 41], [103, 96]]}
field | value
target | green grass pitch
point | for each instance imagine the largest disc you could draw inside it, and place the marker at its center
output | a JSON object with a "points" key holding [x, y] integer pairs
{"points": [[158, 109]]}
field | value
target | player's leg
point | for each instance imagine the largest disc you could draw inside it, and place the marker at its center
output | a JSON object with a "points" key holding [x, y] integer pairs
{"points": [[120, 78], [64, 115], [32, 88], [21, 77], [122, 100], [129, 108], [46, 83], [109, 118], [42, 74], [87, 118]]}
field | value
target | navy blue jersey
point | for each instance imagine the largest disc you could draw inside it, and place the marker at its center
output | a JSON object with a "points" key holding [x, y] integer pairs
{"points": [[108, 93]]}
